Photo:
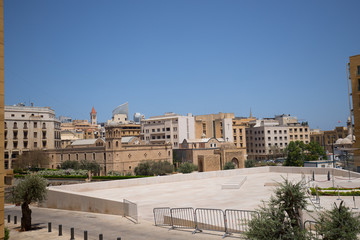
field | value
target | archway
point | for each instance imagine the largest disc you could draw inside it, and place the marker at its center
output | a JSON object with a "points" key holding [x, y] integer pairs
{"points": [[235, 161]]}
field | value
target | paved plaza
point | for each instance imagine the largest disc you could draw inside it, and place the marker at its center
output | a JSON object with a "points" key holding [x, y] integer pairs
{"points": [[242, 190], [209, 193]]}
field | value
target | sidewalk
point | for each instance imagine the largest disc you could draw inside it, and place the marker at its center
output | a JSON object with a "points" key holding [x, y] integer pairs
{"points": [[111, 226], [39, 234]]}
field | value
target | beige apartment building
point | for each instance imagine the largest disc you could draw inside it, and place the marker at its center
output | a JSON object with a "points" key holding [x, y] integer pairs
{"points": [[354, 78], [29, 128], [267, 138], [169, 128], [327, 139], [223, 125], [239, 131], [214, 126]]}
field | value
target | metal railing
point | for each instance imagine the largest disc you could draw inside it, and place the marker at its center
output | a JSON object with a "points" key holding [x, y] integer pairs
{"points": [[237, 220], [210, 219], [229, 221], [162, 216], [183, 218], [130, 210]]}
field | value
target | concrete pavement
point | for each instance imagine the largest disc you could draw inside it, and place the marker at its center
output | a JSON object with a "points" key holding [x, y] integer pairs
{"points": [[111, 226]]}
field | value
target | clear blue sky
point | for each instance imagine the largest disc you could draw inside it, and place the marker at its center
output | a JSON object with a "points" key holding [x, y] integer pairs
{"points": [[183, 56]]}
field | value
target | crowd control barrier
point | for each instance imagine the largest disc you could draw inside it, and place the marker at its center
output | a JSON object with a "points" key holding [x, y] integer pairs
{"points": [[130, 210], [162, 216], [229, 221]]}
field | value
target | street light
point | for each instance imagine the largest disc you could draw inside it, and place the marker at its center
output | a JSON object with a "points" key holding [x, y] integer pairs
{"points": [[333, 138]]}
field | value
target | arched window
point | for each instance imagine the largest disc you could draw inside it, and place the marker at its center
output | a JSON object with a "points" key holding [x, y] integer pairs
{"points": [[25, 126], [15, 125], [117, 144]]}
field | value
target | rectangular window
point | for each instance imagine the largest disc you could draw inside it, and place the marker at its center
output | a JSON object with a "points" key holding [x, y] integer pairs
{"points": [[358, 70]]}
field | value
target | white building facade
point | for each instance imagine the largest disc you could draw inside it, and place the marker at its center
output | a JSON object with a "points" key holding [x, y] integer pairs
{"points": [[169, 128]]}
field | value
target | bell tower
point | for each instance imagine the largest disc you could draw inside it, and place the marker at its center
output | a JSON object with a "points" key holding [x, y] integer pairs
{"points": [[93, 118]]}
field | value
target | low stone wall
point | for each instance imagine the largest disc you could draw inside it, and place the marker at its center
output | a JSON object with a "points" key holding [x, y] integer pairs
{"points": [[159, 179], [71, 201], [309, 170]]}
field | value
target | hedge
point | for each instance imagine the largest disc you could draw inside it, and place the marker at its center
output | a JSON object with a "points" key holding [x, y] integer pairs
{"points": [[84, 177], [335, 193]]}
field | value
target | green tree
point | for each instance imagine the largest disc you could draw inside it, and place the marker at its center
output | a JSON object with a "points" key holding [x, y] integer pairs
{"points": [[31, 189], [92, 166], [187, 167], [229, 165], [314, 152], [32, 159], [282, 217], [151, 168], [161, 168], [68, 164], [295, 154], [143, 168], [338, 223]]}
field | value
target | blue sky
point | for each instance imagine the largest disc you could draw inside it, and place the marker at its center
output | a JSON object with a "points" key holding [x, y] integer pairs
{"points": [[195, 57]]}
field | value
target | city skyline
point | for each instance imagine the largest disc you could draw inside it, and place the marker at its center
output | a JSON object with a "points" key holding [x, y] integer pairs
{"points": [[182, 56]]}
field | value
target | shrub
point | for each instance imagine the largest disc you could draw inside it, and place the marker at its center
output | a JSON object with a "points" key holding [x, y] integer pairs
{"points": [[338, 223], [144, 168], [7, 234], [187, 167], [62, 172], [151, 168], [250, 163], [281, 219], [114, 173], [161, 168], [229, 165]]}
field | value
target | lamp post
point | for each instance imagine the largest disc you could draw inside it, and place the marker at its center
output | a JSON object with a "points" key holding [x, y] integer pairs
{"points": [[332, 143]]}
